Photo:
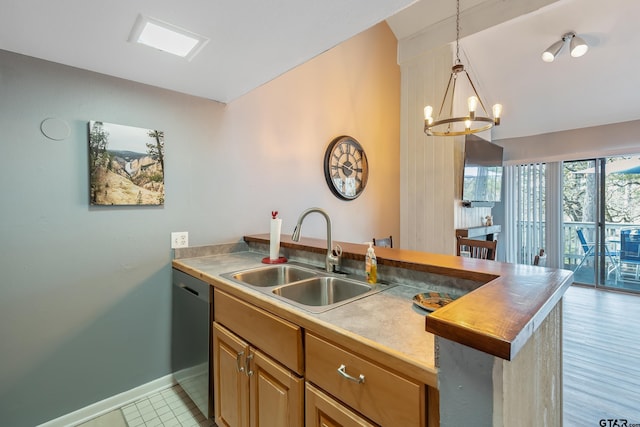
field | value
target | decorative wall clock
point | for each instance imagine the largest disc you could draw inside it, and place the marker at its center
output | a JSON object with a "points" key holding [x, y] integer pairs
{"points": [[345, 168]]}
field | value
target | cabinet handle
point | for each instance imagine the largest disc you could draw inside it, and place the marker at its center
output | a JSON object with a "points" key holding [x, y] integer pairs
{"points": [[247, 364], [239, 361], [342, 370]]}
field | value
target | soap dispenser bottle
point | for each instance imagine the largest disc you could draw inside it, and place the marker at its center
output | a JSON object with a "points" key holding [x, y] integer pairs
{"points": [[371, 265]]}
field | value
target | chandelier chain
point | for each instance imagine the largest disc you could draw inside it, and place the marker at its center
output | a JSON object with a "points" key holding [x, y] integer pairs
{"points": [[458, 32]]}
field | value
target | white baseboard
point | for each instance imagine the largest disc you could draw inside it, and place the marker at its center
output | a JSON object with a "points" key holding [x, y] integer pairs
{"points": [[111, 403]]}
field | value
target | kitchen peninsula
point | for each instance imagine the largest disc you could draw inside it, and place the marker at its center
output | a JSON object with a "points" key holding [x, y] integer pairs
{"points": [[492, 357]]}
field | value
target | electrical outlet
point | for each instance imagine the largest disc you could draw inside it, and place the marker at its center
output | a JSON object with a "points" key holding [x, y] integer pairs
{"points": [[179, 239]]}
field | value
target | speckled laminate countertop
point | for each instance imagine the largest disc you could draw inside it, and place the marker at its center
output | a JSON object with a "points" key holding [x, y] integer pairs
{"points": [[385, 326]]}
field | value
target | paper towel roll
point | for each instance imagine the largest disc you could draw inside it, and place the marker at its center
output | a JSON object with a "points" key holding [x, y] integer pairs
{"points": [[274, 247]]}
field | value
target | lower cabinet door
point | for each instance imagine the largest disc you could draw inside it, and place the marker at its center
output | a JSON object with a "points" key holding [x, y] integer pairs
{"points": [[321, 410], [231, 388], [276, 393], [250, 388]]}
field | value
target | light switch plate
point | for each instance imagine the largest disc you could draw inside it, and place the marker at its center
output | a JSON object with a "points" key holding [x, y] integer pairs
{"points": [[179, 239]]}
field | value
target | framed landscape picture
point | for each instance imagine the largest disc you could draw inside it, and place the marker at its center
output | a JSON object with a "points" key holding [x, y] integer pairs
{"points": [[126, 165]]}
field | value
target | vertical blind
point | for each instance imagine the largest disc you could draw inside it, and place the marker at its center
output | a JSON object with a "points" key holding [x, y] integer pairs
{"points": [[533, 212]]}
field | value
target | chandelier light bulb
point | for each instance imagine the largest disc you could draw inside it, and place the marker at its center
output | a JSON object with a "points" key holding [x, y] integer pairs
{"points": [[472, 102], [428, 111], [497, 112]]}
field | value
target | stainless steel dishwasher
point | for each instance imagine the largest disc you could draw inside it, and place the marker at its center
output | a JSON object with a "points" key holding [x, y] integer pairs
{"points": [[191, 317]]}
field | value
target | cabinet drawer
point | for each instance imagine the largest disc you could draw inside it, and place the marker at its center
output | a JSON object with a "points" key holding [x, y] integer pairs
{"points": [[321, 410], [278, 338], [384, 397]]}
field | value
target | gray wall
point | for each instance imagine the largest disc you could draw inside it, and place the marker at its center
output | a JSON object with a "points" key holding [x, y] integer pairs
{"points": [[85, 292]]}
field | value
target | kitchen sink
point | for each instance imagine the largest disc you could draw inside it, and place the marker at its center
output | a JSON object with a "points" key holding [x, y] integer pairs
{"points": [[308, 288], [273, 275], [321, 291]]}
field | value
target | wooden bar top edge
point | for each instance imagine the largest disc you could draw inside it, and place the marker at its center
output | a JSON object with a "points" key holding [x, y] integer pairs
{"points": [[498, 318]]}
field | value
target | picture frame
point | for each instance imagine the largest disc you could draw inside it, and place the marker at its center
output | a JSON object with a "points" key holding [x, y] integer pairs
{"points": [[126, 165]]}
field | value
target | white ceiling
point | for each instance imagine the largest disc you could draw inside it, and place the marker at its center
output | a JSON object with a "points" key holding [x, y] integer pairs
{"points": [[251, 41], [254, 41], [601, 87]]}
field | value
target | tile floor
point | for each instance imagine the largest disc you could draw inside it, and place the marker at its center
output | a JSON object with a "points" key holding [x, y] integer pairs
{"points": [[111, 419], [168, 408]]}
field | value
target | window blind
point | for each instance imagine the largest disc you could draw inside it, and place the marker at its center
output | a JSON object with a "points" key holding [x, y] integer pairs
{"points": [[533, 212]]}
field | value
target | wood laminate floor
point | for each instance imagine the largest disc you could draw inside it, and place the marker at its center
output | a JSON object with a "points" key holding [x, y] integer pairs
{"points": [[601, 358]]}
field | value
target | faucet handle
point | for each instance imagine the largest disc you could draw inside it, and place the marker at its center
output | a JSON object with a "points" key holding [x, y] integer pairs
{"points": [[334, 259], [337, 251]]}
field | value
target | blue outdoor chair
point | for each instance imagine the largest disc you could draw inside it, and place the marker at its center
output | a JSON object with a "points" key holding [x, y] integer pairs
{"points": [[589, 249], [630, 249]]}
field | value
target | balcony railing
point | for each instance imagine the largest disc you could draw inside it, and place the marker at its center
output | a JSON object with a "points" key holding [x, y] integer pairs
{"points": [[619, 272], [573, 251]]}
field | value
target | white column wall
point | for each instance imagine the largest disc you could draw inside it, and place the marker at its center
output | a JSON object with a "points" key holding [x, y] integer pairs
{"points": [[427, 164], [430, 166]]}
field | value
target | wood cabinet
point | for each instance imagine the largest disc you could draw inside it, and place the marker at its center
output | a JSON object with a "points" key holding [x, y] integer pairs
{"points": [[231, 384], [250, 387], [321, 410], [372, 390], [275, 336], [259, 363]]}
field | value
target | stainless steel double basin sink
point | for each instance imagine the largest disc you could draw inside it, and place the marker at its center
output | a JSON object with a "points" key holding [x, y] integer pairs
{"points": [[309, 288]]}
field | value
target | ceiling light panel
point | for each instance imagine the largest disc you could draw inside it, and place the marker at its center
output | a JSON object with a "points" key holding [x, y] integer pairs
{"points": [[166, 37]]}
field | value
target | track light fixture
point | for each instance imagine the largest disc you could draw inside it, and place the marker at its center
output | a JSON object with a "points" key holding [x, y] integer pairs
{"points": [[577, 45]]}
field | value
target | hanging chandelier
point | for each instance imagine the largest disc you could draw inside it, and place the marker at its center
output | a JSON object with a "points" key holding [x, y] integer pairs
{"points": [[472, 120]]}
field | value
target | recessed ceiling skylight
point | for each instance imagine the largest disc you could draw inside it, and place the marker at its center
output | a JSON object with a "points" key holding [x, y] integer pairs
{"points": [[166, 37]]}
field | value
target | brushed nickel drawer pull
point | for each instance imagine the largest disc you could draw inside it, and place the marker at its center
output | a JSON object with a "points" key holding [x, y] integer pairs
{"points": [[342, 370], [239, 361], [247, 364]]}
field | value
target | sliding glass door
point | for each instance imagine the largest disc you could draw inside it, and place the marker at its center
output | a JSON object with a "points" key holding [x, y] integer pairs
{"points": [[601, 221]]}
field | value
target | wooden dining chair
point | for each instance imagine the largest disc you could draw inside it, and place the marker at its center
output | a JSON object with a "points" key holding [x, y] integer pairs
{"points": [[386, 242], [482, 249]]}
